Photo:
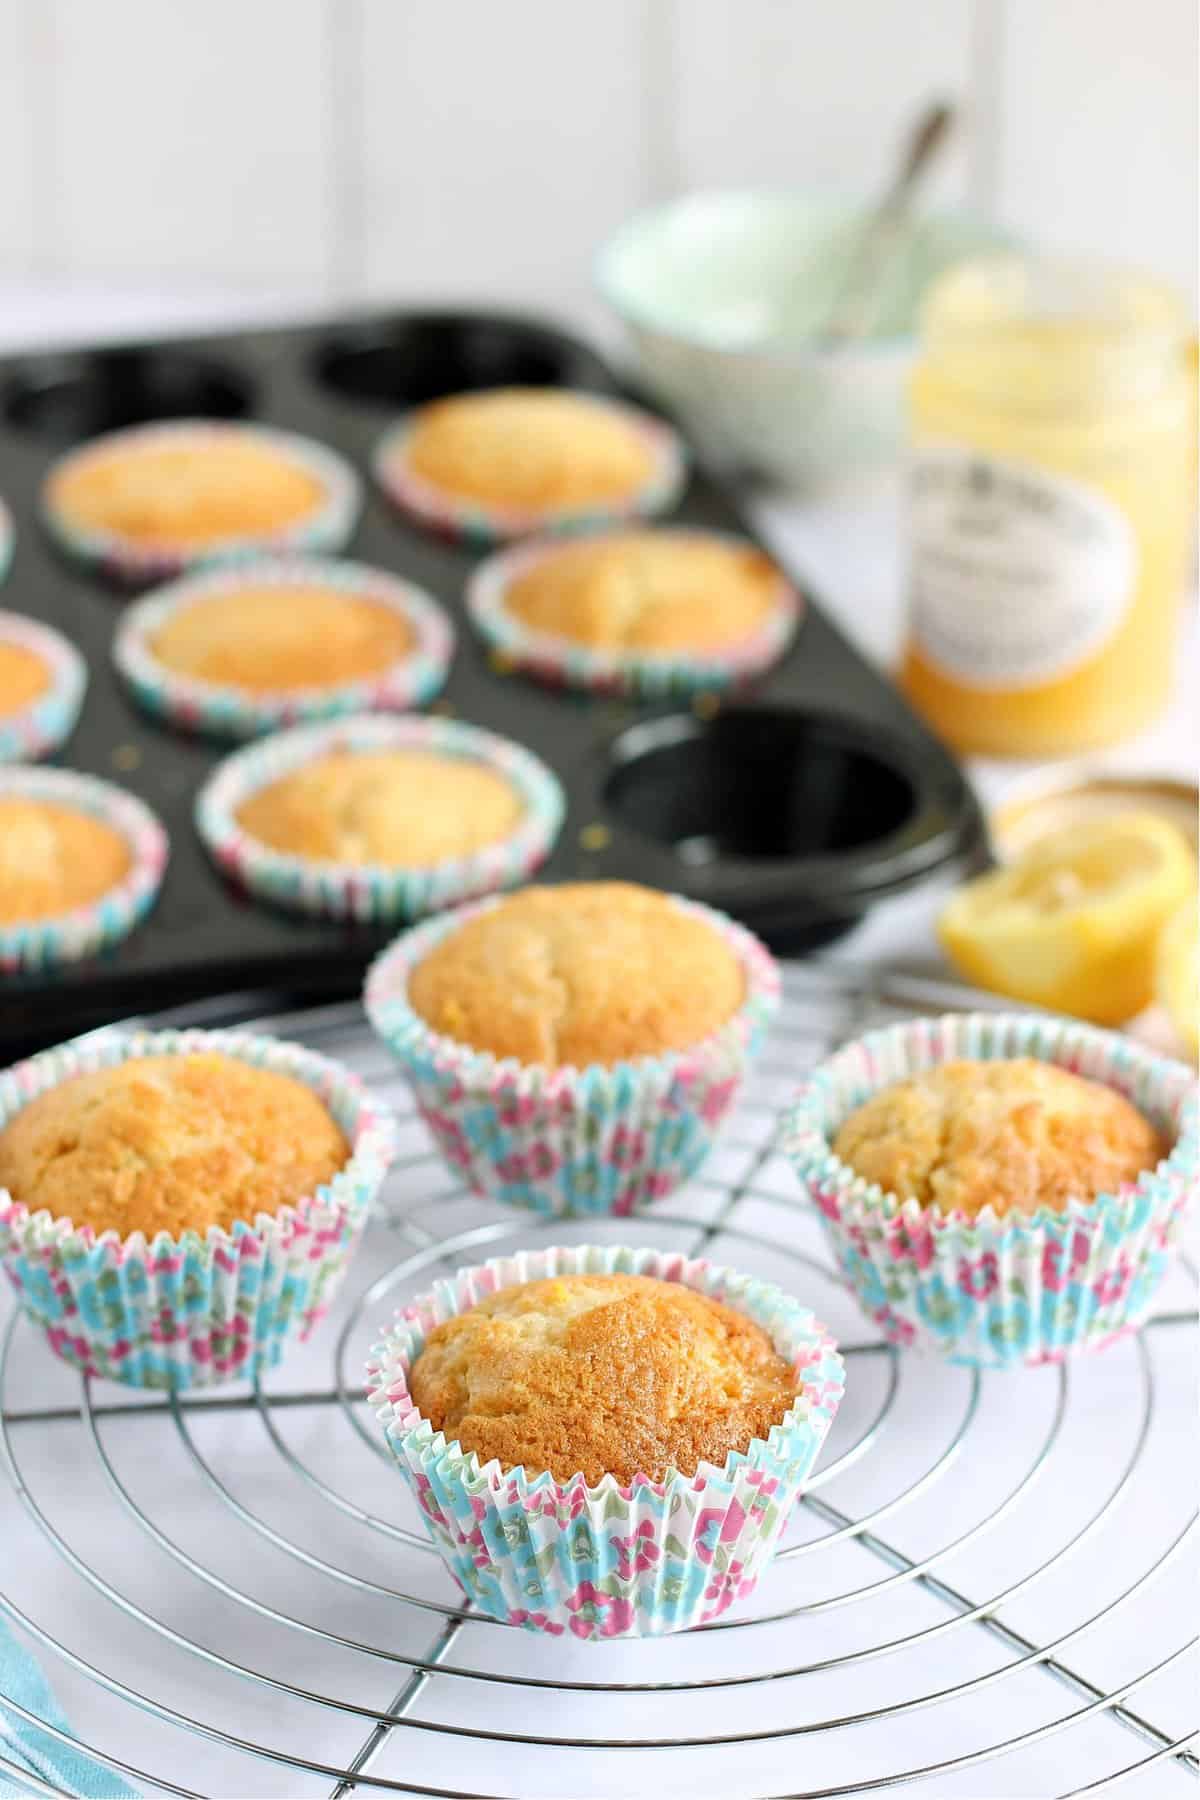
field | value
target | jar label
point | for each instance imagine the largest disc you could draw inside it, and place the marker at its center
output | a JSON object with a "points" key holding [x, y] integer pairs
{"points": [[1017, 576]]}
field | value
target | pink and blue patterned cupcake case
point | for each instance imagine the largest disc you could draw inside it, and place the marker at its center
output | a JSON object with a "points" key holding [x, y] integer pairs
{"points": [[993, 1292], [644, 675], [607, 1561], [189, 1312], [49, 719], [222, 710], [374, 893], [572, 1142], [41, 944]]}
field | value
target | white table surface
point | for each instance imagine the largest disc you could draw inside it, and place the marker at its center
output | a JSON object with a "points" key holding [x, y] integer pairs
{"points": [[846, 548]]}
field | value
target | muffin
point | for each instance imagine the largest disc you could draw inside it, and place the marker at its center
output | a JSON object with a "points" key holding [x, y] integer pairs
{"points": [[80, 864], [244, 651], [170, 1143], [1015, 1135], [42, 683], [394, 808], [601, 1375], [175, 1206], [601, 1440], [575, 1049], [509, 461], [151, 500], [637, 611], [379, 818], [999, 1188]]}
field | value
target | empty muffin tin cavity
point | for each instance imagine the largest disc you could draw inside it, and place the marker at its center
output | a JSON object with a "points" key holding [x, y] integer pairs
{"points": [[64, 399], [410, 359], [752, 784]]}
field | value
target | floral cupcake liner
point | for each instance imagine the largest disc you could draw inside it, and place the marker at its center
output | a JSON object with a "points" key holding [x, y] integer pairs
{"points": [[223, 710], [638, 674], [192, 1311], [477, 525], [993, 1291], [327, 528], [607, 1561], [49, 719], [373, 893], [43, 944], [606, 1139]]}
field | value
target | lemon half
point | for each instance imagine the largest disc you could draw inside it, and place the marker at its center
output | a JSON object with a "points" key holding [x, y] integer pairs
{"points": [[1074, 924], [1178, 973]]}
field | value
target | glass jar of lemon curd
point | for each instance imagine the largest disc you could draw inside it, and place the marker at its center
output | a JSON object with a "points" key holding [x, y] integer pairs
{"points": [[1050, 504]]}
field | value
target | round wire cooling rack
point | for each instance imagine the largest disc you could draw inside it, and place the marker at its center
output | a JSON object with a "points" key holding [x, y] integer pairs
{"points": [[979, 1593]]}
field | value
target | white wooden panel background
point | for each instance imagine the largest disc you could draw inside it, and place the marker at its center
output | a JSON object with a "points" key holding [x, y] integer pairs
{"points": [[336, 150]]}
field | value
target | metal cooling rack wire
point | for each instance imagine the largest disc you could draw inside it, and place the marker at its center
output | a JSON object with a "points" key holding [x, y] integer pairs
{"points": [[855, 1000]]}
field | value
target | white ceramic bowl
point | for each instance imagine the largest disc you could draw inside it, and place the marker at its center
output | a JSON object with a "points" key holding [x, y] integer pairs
{"points": [[723, 294]]}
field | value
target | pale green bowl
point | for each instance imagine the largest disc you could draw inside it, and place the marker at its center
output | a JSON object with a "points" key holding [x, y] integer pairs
{"points": [[724, 295]]}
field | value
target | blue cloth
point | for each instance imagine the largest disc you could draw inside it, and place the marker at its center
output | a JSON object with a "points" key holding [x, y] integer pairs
{"points": [[61, 1766]]}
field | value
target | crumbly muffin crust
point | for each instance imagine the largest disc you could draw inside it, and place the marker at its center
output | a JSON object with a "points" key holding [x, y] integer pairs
{"points": [[1014, 1135], [170, 1143], [24, 678], [534, 448], [648, 591], [273, 638], [54, 858], [602, 1374], [188, 493], [589, 972], [398, 808]]}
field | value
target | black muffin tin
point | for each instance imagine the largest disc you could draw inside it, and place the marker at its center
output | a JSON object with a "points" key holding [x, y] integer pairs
{"points": [[794, 807]]}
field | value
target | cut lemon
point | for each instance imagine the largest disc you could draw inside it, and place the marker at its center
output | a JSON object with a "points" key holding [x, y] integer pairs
{"points": [[1178, 973], [1074, 924]]}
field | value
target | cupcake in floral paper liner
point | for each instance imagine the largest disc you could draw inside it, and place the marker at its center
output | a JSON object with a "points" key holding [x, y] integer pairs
{"points": [[234, 653], [43, 679], [575, 1049], [145, 503], [81, 863], [737, 1385], [176, 1206], [1035, 1173], [484, 468], [379, 819], [646, 613]]}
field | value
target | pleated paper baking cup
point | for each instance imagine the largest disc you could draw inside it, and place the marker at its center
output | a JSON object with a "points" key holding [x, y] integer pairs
{"points": [[607, 1561], [136, 561], [192, 1311], [375, 893], [223, 710], [606, 1139], [996, 1291], [42, 944], [473, 523], [48, 720], [562, 662]]}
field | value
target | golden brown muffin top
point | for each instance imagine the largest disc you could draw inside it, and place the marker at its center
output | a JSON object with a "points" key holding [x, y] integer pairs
{"points": [[529, 448], [54, 858], [268, 639], [190, 493], [24, 676], [602, 1375], [401, 808], [170, 1143], [1014, 1135], [648, 591], [590, 972]]}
